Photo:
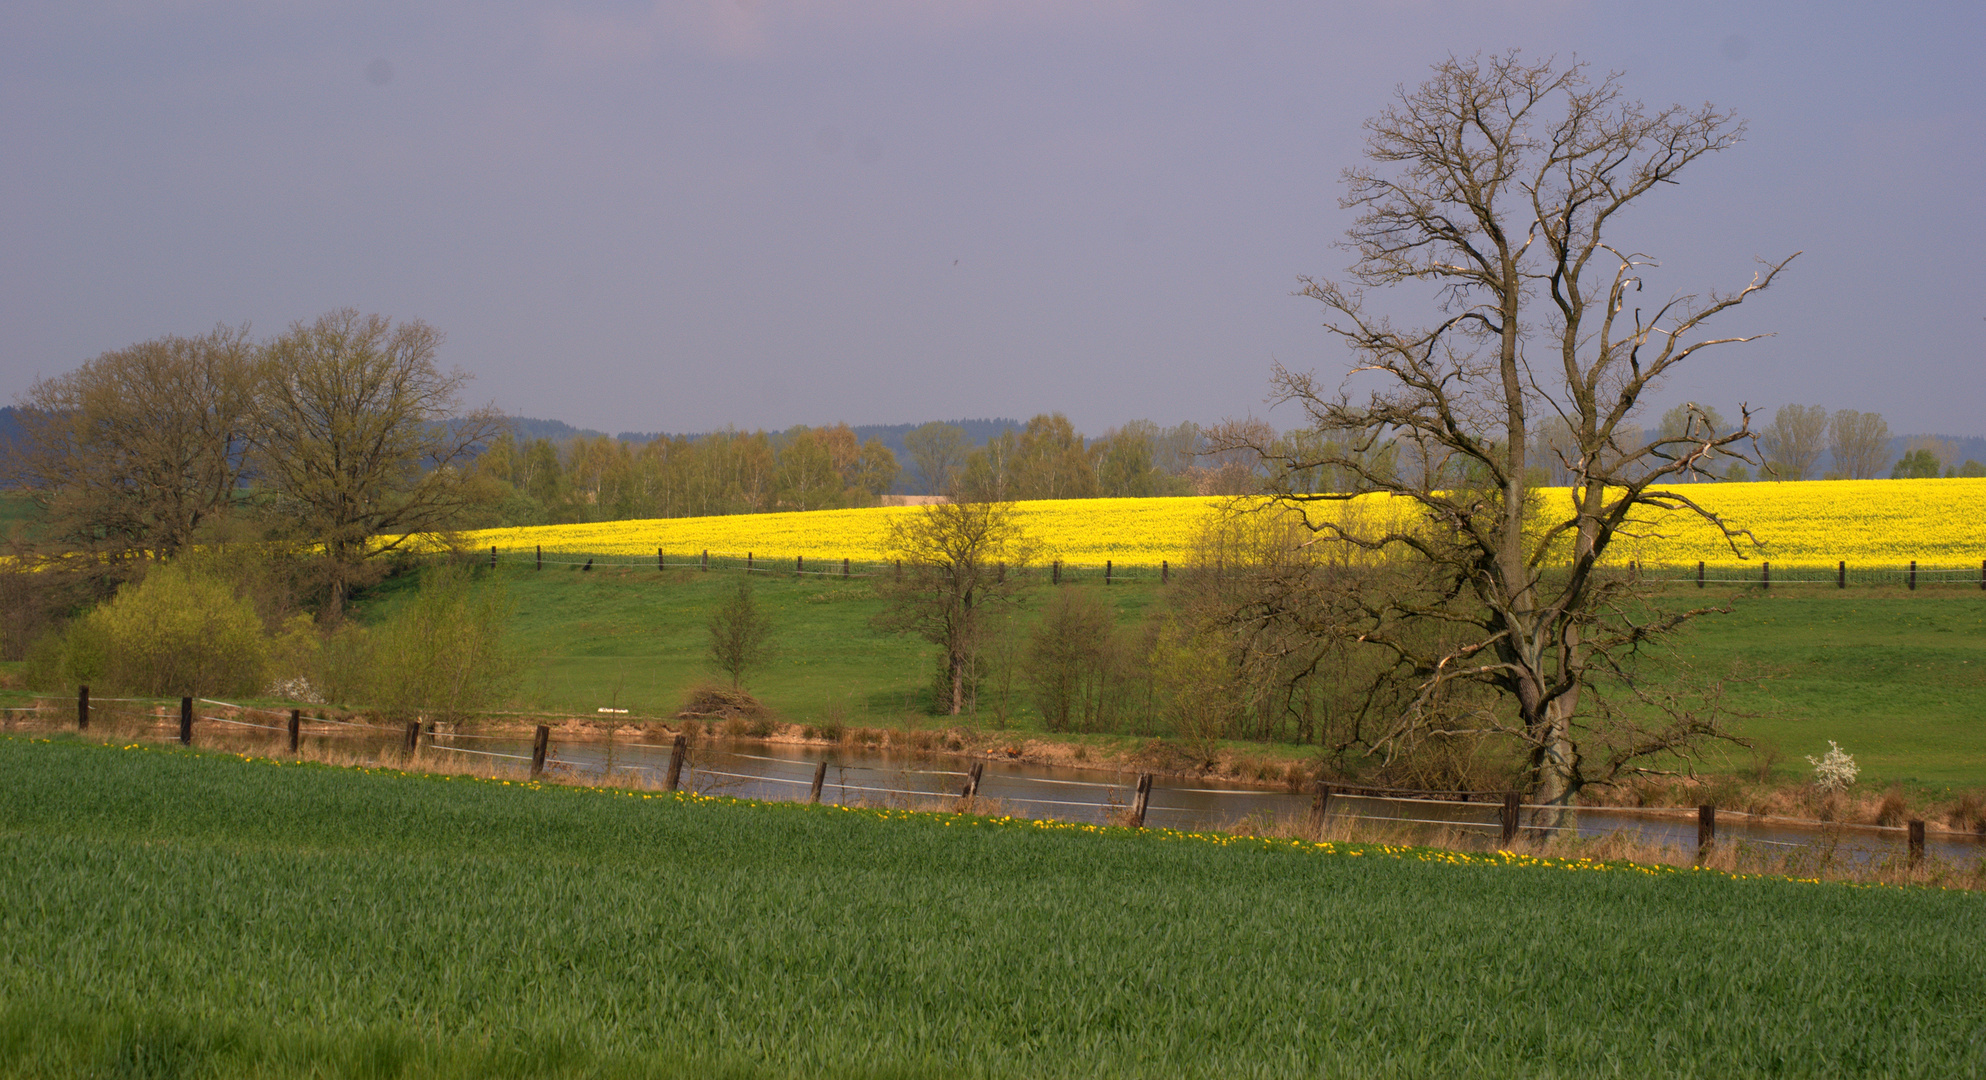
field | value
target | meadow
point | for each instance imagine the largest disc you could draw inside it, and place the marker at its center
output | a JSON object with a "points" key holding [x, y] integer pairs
{"points": [[184, 913], [1897, 677], [1809, 524]]}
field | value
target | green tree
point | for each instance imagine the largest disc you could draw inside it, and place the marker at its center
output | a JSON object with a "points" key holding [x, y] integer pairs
{"points": [[178, 631], [446, 654], [740, 634], [1918, 464], [360, 440], [133, 452]]}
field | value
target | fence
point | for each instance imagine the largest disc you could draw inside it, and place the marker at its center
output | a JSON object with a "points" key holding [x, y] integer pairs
{"points": [[1056, 571], [720, 770], [1110, 572]]}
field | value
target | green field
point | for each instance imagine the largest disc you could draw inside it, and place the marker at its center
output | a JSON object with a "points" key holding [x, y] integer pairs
{"points": [[172, 913], [1898, 678]]}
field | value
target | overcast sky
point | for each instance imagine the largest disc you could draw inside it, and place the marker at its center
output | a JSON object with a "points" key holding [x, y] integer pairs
{"points": [[768, 212]]}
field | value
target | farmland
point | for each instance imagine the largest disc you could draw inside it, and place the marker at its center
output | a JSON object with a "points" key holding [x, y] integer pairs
{"points": [[1807, 524], [181, 914]]}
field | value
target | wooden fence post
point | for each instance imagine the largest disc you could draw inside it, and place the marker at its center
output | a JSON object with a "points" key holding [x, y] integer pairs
{"points": [[820, 777], [1916, 842], [899, 569], [1765, 575], [844, 567], [82, 708], [1841, 575], [971, 789], [1913, 573], [413, 735], [1511, 806], [1319, 807], [748, 562], [1055, 575], [799, 564], [1142, 801], [706, 559], [541, 557], [1982, 575], [660, 563], [296, 728], [1165, 572], [186, 721], [1106, 571], [1699, 573], [540, 741], [676, 762], [1706, 830], [493, 556]]}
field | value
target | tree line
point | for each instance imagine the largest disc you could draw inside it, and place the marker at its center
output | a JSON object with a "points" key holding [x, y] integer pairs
{"points": [[600, 478]]}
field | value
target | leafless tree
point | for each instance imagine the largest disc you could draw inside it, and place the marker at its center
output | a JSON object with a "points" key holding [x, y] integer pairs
{"points": [[959, 559], [1859, 443], [1793, 442], [1498, 181], [939, 451], [359, 439]]}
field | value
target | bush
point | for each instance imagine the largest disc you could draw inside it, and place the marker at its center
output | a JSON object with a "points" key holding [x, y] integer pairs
{"points": [[178, 631], [444, 655]]}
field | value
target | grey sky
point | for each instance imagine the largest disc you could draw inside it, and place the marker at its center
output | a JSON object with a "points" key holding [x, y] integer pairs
{"points": [[768, 212]]}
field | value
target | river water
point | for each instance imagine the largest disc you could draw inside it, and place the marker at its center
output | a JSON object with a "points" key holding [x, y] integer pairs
{"points": [[864, 777]]}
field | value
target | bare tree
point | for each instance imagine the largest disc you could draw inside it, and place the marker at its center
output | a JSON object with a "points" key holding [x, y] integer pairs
{"points": [[1497, 181], [959, 560], [1793, 442], [1859, 443], [358, 438], [132, 452]]}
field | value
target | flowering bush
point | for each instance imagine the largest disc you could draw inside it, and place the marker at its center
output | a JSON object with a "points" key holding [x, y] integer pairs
{"points": [[1834, 770]]}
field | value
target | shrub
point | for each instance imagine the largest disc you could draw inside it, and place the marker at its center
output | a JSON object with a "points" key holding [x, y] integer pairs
{"points": [[445, 654], [1834, 770], [178, 631]]}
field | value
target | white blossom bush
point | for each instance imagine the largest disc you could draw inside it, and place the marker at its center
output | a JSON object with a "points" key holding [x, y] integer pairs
{"points": [[1834, 770]]}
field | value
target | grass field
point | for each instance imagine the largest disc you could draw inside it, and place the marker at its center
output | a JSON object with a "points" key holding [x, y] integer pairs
{"points": [[1898, 678], [178, 914]]}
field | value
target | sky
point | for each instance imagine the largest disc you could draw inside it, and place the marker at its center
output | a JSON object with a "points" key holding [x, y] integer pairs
{"points": [[681, 216]]}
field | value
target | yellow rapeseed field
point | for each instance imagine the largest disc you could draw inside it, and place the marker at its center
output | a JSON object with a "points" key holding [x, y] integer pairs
{"points": [[1808, 524]]}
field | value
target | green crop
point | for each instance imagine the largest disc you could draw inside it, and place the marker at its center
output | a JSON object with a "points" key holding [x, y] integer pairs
{"points": [[173, 913]]}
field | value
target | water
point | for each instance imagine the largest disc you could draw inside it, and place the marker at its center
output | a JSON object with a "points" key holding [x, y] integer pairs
{"points": [[1098, 796]]}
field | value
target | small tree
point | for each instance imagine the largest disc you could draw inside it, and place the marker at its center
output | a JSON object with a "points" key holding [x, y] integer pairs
{"points": [[959, 559], [740, 634], [446, 653], [1071, 659]]}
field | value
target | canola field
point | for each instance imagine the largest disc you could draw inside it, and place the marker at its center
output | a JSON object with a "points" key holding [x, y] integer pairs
{"points": [[1804, 524]]}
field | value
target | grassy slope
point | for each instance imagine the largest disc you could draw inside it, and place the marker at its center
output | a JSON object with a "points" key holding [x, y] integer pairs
{"points": [[177, 914], [1898, 678]]}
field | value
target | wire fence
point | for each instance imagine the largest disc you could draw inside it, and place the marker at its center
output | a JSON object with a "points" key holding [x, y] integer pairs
{"points": [[1493, 817], [1759, 574]]}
